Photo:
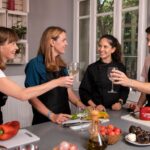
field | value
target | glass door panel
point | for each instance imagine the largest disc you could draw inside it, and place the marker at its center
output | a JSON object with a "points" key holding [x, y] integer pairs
{"points": [[83, 45], [129, 3], [84, 8], [131, 66], [130, 41], [104, 6]]}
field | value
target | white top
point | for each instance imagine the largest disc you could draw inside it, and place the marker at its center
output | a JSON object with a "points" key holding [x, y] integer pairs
{"points": [[2, 74]]}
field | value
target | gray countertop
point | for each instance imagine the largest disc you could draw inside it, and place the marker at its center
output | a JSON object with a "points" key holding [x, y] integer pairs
{"points": [[51, 134]]}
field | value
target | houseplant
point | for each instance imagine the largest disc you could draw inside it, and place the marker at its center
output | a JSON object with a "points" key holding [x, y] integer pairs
{"points": [[20, 30]]}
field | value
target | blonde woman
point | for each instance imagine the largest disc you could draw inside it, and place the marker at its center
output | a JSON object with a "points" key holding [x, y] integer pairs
{"points": [[46, 66]]}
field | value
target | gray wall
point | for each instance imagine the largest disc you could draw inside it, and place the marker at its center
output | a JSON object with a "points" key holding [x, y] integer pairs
{"points": [[44, 13]]}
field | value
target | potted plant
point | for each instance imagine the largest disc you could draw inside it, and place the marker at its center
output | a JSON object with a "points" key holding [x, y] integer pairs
{"points": [[20, 30]]}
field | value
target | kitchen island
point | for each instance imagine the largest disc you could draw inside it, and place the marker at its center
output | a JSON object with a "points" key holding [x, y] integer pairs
{"points": [[52, 134]]}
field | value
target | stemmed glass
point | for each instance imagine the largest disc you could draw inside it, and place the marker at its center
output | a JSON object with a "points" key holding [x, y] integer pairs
{"points": [[73, 68], [79, 112], [110, 78]]}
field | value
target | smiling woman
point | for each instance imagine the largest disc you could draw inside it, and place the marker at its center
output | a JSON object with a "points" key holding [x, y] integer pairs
{"points": [[8, 47]]}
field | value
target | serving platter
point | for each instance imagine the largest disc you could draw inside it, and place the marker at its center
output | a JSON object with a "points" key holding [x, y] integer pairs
{"points": [[136, 143]]}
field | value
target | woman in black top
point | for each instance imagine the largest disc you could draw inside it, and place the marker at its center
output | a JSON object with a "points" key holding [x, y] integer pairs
{"points": [[95, 84]]}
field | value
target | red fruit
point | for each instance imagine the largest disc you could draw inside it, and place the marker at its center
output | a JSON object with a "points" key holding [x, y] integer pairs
{"points": [[110, 126], [117, 131], [111, 133], [109, 130], [103, 133]]}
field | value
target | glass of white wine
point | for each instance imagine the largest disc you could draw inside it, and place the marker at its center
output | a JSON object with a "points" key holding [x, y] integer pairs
{"points": [[73, 68], [111, 79]]}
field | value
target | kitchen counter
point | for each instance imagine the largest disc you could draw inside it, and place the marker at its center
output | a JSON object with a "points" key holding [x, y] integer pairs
{"points": [[51, 134]]}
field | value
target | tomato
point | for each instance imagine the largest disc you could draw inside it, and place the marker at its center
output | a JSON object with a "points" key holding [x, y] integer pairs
{"points": [[103, 133], [117, 130], [110, 126], [111, 133]]}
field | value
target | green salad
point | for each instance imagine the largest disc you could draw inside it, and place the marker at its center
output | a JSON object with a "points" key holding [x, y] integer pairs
{"points": [[82, 114]]}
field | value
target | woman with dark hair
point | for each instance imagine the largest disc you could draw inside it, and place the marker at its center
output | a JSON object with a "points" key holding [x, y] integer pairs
{"points": [[95, 84], [46, 66], [8, 47]]}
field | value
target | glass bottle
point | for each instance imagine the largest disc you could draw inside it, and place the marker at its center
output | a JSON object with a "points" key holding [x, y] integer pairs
{"points": [[96, 141]]}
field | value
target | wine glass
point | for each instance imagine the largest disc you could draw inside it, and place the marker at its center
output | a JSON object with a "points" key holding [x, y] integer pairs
{"points": [[79, 112], [111, 79], [73, 68]]}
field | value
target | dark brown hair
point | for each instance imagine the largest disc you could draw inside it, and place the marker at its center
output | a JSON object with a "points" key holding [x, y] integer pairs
{"points": [[45, 49], [116, 56], [6, 35], [147, 30]]}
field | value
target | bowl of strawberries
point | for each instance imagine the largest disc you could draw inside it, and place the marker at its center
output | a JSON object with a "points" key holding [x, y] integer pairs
{"points": [[111, 132]]}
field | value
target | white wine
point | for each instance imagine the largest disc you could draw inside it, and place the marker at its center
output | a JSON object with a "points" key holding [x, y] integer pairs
{"points": [[72, 72], [73, 68]]}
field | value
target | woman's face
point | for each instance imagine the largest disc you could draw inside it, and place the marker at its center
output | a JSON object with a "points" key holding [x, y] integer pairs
{"points": [[60, 44], [105, 50], [8, 50]]}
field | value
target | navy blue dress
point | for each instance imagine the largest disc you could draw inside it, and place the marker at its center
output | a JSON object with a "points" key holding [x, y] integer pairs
{"points": [[56, 99]]}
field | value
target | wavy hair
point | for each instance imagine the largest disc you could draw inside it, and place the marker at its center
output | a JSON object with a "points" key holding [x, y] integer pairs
{"points": [[45, 49], [117, 55]]}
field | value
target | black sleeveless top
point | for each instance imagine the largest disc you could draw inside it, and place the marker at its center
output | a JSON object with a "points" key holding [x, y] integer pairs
{"points": [[3, 99], [148, 95]]}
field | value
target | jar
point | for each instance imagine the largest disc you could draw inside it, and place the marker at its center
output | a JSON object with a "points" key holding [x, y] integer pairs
{"points": [[96, 141]]}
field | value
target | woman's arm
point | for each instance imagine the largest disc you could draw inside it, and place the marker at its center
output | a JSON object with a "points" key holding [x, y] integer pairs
{"points": [[40, 107], [75, 99], [120, 78], [12, 89]]}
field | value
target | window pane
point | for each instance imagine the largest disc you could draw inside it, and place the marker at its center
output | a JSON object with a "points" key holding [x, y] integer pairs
{"points": [[83, 45], [104, 25], [84, 8], [129, 40], [130, 3], [104, 6], [131, 66]]}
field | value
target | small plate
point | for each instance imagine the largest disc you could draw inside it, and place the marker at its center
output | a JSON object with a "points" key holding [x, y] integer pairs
{"points": [[136, 143]]}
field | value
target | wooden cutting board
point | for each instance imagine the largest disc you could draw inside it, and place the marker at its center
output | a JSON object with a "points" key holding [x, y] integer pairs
{"points": [[23, 137]]}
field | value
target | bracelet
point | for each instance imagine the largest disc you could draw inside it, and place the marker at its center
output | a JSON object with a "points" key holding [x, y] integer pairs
{"points": [[49, 114]]}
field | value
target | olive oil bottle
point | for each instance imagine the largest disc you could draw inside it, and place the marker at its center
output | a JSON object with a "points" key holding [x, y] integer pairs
{"points": [[96, 141]]}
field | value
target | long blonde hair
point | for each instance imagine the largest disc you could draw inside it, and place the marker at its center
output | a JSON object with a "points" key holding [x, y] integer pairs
{"points": [[6, 35], [45, 49]]}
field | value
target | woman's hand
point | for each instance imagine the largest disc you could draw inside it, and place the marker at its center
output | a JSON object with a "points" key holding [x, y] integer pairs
{"points": [[133, 107], [120, 78], [65, 81], [100, 108], [59, 118], [116, 106], [80, 104]]}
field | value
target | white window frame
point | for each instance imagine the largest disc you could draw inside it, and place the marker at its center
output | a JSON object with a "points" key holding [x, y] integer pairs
{"points": [[142, 25]]}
